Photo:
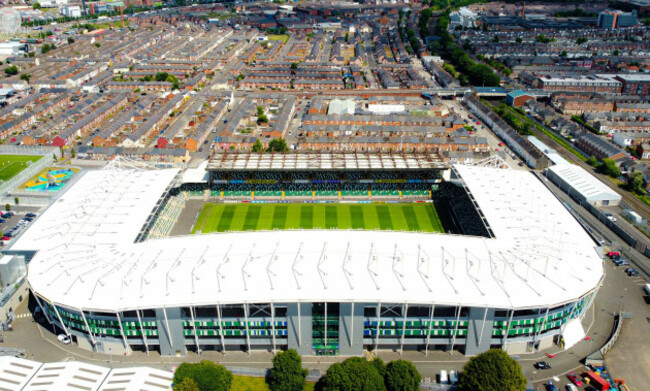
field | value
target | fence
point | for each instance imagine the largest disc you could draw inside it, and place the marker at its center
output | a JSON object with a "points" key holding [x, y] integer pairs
{"points": [[27, 173], [618, 326], [29, 150]]}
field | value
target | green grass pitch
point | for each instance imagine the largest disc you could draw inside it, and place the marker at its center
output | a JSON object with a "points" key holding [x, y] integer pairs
{"points": [[251, 217], [10, 165]]}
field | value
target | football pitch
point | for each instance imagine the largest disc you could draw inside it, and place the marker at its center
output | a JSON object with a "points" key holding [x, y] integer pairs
{"points": [[251, 217], [10, 165]]}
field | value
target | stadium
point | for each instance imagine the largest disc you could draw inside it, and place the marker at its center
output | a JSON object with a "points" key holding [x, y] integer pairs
{"points": [[329, 254]]}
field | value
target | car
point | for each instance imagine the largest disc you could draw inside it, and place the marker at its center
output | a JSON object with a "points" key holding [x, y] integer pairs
{"points": [[571, 387], [542, 365], [633, 273], [5, 237], [613, 254], [610, 217], [64, 339], [621, 262], [30, 214], [574, 379], [550, 386]]}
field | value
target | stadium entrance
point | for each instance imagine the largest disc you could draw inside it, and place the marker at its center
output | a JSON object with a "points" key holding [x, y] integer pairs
{"points": [[325, 329]]}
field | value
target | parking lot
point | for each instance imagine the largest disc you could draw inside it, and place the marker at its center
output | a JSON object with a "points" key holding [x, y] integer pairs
{"points": [[14, 221]]}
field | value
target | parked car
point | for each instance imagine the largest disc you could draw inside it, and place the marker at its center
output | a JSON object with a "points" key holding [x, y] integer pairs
{"points": [[612, 254], [610, 217], [621, 262], [550, 386], [64, 339], [571, 387], [542, 365], [574, 379], [632, 272]]}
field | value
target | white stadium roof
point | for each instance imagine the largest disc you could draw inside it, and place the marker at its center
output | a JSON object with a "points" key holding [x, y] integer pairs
{"points": [[87, 258]]}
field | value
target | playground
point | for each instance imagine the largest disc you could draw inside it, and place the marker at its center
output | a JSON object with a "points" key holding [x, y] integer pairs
{"points": [[49, 180]]}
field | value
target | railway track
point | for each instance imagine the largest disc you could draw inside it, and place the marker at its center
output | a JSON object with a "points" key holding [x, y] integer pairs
{"points": [[638, 205]]}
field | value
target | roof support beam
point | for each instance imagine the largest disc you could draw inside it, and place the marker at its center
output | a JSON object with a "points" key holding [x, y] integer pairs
{"points": [[273, 325], [453, 338], [60, 320], [144, 335], [169, 332], [223, 341], [248, 335], [378, 322], [43, 309], [426, 347], [119, 320], [405, 309], [196, 337], [90, 334]]}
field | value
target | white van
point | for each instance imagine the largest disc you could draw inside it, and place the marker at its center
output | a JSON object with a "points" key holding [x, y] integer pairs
{"points": [[453, 377], [443, 377], [646, 288]]}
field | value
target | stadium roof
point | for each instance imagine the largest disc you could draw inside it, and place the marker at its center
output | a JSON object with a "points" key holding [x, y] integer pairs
{"points": [[87, 258], [323, 161]]}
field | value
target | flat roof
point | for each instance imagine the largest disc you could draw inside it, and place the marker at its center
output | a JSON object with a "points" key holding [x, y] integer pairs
{"points": [[584, 183], [87, 259], [323, 161]]}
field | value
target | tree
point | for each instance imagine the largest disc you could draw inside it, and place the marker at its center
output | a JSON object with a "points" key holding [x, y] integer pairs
{"points": [[16, 200], [262, 118], [287, 373], [493, 370], [592, 161], [401, 375], [161, 76], [609, 167], [294, 65], [581, 40], [12, 70], [37, 6], [73, 153], [563, 54], [278, 145], [519, 40], [257, 146], [635, 183], [70, 40], [187, 385], [207, 375], [97, 44], [616, 52], [353, 374], [240, 77], [7, 207]]}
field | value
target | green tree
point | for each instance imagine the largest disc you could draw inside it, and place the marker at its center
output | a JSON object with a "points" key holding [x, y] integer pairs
{"points": [[7, 207], [16, 200], [493, 370], [262, 119], [73, 153], [70, 40], [278, 145], [37, 6], [26, 77], [207, 375], [294, 65], [161, 76], [563, 54], [187, 385], [257, 146], [519, 40], [609, 167], [592, 161], [581, 40], [12, 70], [260, 110], [287, 373], [401, 375], [240, 77], [97, 44], [635, 183], [353, 374], [616, 52], [378, 363]]}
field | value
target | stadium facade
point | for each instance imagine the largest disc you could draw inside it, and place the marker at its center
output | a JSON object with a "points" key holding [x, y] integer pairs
{"points": [[320, 292]]}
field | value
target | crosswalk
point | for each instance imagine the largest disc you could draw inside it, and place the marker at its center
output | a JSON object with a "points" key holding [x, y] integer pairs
{"points": [[27, 315]]}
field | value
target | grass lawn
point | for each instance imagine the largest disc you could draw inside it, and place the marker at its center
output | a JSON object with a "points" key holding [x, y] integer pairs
{"points": [[10, 165], [250, 217], [278, 37], [246, 383]]}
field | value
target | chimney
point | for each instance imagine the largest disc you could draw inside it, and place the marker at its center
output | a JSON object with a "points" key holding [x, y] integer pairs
{"points": [[523, 11]]}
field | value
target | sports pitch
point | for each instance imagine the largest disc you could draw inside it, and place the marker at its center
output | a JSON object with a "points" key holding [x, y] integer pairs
{"points": [[251, 217], [10, 165]]}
